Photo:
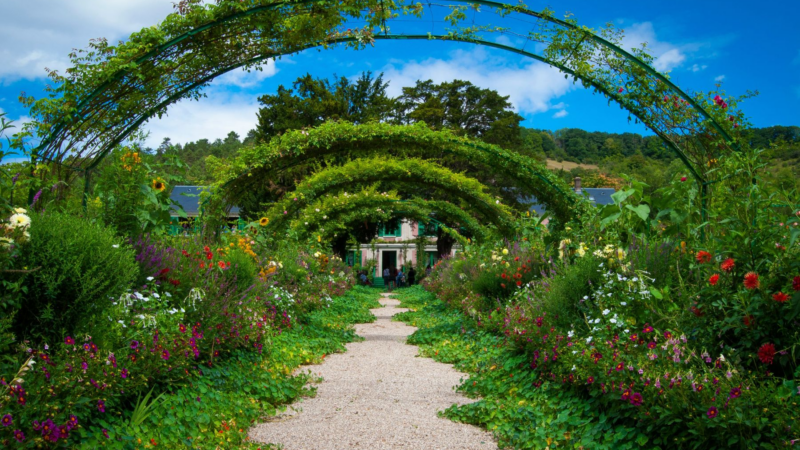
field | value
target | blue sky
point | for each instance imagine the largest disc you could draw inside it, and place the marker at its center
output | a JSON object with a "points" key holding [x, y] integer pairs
{"points": [[745, 45]]}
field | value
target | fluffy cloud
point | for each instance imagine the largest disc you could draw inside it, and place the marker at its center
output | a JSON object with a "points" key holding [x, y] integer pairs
{"points": [[719, 78], [667, 56], [211, 118], [560, 114], [530, 85], [44, 32], [244, 79]]}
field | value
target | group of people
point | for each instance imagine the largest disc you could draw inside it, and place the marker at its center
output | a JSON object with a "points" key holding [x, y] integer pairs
{"points": [[394, 277]]}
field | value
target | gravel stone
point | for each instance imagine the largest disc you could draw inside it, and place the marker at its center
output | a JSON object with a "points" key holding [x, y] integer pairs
{"points": [[377, 395]]}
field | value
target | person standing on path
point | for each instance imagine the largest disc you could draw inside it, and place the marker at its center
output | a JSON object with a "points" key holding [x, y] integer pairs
{"points": [[411, 275], [393, 276], [386, 277]]}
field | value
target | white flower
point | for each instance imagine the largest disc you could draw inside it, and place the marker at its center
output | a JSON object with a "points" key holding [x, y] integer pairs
{"points": [[115, 245], [19, 221], [573, 367], [149, 278], [155, 294], [623, 303], [20, 211], [317, 209], [571, 333], [589, 339], [606, 311], [627, 330]]}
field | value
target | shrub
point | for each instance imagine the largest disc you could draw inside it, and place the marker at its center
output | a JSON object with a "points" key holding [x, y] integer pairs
{"points": [[573, 283], [81, 266]]}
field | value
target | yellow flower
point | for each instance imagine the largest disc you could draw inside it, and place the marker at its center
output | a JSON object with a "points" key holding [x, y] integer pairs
{"points": [[159, 185], [505, 251], [264, 221]]}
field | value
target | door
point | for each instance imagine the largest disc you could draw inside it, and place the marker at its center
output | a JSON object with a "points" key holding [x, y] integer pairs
{"points": [[388, 259]]}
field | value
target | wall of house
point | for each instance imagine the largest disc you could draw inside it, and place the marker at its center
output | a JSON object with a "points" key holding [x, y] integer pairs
{"points": [[403, 246]]}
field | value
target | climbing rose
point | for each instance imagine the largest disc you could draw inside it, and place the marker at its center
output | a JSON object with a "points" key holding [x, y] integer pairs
{"points": [[712, 412], [703, 257], [751, 280], [780, 297], [714, 279], [766, 353], [796, 283], [727, 265]]}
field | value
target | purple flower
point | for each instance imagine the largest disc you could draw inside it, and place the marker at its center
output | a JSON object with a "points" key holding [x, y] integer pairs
{"points": [[101, 406], [14, 180], [7, 420], [18, 434], [72, 422], [69, 341], [735, 393], [636, 399], [105, 433], [165, 355], [124, 373], [87, 347], [712, 412], [36, 197], [134, 345]]}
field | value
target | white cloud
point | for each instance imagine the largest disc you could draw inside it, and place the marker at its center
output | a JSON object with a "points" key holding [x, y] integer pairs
{"points": [[698, 68], [210, 118], [667, 56], [719, 78], [531, 85], [244, 79], [41, 33], [560, 114]]}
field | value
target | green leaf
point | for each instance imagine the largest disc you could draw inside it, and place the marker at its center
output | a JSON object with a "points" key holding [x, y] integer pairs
{"points": [[643, 211], [656, 293], [621, 196]]}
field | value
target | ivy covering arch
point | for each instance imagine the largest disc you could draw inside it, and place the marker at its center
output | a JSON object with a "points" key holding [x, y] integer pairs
{"points": [[255, 164], [408, 172], [112, 90], [334, 213]]}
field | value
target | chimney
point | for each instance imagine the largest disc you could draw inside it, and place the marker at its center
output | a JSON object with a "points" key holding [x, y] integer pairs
{"points": [[578, 185]]}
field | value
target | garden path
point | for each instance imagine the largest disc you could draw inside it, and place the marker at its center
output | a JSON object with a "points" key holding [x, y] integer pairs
{"points": [[378, 395]]}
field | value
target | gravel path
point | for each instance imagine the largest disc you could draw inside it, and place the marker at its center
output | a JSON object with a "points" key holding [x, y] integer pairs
{"points": [[377, 395]]}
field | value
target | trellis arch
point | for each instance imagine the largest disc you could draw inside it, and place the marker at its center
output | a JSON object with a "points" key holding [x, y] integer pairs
{"points": [[368, 171], [334, 213], [260, 162], [112, 90]]}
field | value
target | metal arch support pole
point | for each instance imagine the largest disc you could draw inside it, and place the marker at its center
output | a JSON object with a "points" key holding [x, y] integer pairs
{"points": [[87, 175]]}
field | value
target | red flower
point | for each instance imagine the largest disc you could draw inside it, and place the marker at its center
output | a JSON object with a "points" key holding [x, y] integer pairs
{"points": [[766, 353], [728, 265], [221, 264], [751, 281], [209, 255], [780, 297], [714, 279], [620, 90], [697, 311], [712, 412], [503, 285], [703, 257], [519, 283], [748, 320], [202, 265], [174, 282], [503, 276], [163, 271], [590, 380], [796, 283], [683, 179], [206, 249]]}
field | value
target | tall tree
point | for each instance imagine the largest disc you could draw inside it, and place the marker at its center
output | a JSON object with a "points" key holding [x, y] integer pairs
{"points": [[312, 101]]}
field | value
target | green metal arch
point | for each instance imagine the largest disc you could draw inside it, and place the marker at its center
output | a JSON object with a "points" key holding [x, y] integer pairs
{"points": [[402, 172], [501, 6]]}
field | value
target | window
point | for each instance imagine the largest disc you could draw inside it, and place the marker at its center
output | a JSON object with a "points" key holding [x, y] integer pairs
{"points": [[390, 230], [429, 230], [431, 258], [351, 258]]}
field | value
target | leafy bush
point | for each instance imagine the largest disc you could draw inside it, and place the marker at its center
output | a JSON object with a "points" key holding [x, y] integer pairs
{"points": [[80, 268], [568, 290]]}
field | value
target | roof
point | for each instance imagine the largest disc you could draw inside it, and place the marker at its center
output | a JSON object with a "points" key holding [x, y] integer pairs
{"points": [[189, 198], [598, 196]]}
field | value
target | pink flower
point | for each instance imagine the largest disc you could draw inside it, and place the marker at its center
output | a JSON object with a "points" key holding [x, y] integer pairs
{"points": [[712, 412], [101, 406], [620, 90], [683, 179], [636, 399], [69, 341], [165, 355]]}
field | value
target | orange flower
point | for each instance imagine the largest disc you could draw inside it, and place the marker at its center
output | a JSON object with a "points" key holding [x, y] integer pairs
{"points": [[221, 264], [703, 257], [751, 281], [727, 265], [714, 279]]}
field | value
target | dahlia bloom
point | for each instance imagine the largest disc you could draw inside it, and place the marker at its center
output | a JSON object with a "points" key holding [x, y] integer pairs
{"points": [[714, 279], [751, 281], [727, 265], [766, 353]]}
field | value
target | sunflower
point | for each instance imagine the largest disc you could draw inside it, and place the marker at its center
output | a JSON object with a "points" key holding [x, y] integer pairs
{"points": [[264, 221], [159, 185]]}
